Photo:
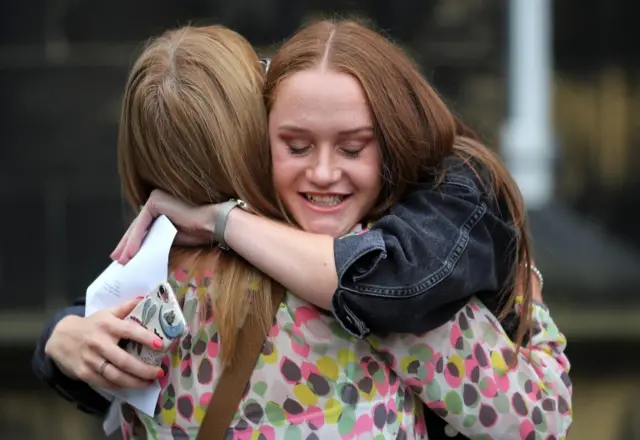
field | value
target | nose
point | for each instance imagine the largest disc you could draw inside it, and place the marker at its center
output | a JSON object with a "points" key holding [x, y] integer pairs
{"points": [[325, 170]]}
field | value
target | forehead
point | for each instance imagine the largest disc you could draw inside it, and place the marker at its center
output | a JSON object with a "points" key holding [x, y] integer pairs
{"points": [[319, 99]]}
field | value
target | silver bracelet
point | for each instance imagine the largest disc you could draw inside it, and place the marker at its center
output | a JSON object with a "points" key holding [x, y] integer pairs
{"points": [[537, 273], [221, 219]]}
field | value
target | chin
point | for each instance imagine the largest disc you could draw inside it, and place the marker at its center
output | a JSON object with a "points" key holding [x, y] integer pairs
{"points": [[334, 230]]}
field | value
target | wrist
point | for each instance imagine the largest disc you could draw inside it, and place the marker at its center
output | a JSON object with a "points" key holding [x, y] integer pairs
{"points": [[224, 211], [211, 212], [66, 325]]}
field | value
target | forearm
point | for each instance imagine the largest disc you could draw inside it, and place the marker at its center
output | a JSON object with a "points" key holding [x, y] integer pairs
{"points": [[301, 261]]}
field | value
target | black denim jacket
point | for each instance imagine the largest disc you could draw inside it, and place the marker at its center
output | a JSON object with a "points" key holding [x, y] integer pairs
{"points": [[418, 266], [414, 269]]}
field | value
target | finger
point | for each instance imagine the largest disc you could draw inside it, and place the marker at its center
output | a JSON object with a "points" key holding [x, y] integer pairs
{"points": [[123, 310], [136, 233], [129, 365], [125, 329], [94, 379], [117, 252], [116, 378], [89, 372]]}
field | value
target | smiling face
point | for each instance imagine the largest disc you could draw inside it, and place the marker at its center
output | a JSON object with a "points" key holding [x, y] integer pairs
{"points": [[326, 160]]}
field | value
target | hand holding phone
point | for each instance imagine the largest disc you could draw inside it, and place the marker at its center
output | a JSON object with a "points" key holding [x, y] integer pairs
{"points": [[160, 313]]}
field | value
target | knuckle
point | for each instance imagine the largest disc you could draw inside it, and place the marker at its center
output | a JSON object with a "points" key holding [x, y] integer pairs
{"points": [[120, 359], [102, 323], [153, 199], [112, 374], [84, 373], [130, 330], [92, 343], [139, 333]]}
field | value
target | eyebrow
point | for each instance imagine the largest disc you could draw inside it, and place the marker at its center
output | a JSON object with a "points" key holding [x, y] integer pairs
{"points": [[352, 131]]}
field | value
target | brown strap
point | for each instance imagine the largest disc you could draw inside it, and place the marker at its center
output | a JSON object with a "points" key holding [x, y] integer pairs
{"points": [[231, 386]]}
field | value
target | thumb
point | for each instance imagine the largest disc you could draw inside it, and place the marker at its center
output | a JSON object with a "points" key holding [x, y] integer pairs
{"points": [[125, 308]]}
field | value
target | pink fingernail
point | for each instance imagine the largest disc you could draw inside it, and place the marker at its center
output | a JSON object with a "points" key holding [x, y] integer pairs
{"points": [[160, 374], [157, 343]]}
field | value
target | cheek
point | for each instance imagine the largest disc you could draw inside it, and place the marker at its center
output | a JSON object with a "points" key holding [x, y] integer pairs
{"points": [[284, 174], [372, 184], [370, 177], [368, 182]]}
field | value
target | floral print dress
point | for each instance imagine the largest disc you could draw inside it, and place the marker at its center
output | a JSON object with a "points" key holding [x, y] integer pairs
{"points": [[313, 380]]}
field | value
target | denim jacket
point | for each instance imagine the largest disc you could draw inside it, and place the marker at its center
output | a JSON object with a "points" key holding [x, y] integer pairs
{"points": [[418, 265], [409, 273]]}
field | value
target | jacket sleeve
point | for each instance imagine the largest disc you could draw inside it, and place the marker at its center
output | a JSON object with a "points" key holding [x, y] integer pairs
{"points": [[78, 392], [468, 373], [417, 266]]}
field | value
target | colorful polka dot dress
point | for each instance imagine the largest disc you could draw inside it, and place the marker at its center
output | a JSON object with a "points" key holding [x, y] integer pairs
{"points": [[313, 380]]}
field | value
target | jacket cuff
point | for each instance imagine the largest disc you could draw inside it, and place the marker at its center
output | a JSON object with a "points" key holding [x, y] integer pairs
{"points": [[347, 319], [355, 257], [70, 389]]}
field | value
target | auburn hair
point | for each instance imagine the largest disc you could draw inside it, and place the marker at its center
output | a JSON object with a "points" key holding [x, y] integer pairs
{"points": [[415, 129]]}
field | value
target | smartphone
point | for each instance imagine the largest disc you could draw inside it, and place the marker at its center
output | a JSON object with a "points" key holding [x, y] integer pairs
{"points": [[160, 313]]}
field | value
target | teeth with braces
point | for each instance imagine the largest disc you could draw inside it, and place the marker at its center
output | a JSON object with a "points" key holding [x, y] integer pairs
{"points": [[325, 200]]}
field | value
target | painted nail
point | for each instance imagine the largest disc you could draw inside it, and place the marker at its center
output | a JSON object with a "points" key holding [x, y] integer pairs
{"points": [[139, 297], [157, 343], [160, 374]]}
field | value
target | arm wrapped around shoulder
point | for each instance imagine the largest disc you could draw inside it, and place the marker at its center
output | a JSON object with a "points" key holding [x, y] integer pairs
{"points": [[418, 265]]}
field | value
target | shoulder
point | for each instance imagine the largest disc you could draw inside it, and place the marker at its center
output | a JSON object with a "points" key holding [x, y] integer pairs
{"points": [[461, 171], [464, 177]]}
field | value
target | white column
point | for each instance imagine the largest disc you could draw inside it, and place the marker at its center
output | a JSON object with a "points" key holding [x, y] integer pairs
{"points": [[527, 141]]}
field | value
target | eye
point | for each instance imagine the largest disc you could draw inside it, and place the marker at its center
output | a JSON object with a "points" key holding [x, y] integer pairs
{"points": [[351, 153], [298, 149], [352, 149]]}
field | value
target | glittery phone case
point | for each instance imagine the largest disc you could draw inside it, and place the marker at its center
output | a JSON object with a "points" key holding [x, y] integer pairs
{"points": [[159, 312]]}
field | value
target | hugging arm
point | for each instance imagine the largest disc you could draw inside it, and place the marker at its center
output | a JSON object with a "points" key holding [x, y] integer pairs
{"points": [[410, 272], [465, 372], [77, 391]]}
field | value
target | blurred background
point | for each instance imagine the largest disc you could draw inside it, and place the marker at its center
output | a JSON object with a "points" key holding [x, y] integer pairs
{"points": [[552, 85]]}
